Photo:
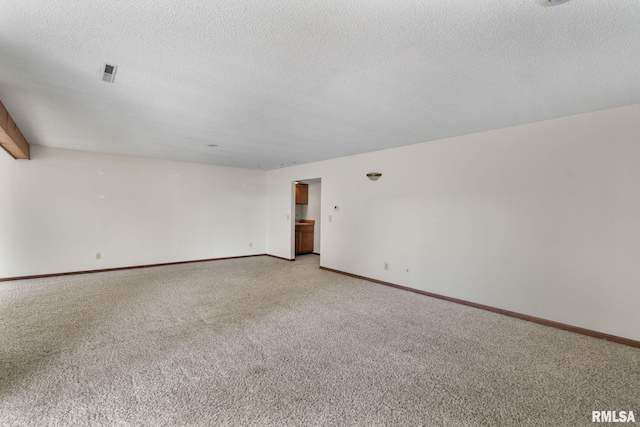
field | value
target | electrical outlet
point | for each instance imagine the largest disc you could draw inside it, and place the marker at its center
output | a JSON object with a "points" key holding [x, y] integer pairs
{"points": [[98, 255], [330, 218], [386, 265], [288, 216]]}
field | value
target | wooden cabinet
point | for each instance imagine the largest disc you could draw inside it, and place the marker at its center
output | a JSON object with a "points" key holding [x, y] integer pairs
{"points": [[302, 194], [304, 237]]}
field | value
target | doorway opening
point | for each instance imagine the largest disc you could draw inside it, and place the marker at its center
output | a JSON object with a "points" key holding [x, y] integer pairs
{"points": [[307, 226]]}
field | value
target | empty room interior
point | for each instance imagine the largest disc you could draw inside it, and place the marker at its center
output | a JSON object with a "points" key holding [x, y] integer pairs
{"points": [[320, 213]]}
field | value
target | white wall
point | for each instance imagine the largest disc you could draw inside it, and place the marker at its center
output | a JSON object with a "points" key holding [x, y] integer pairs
{"points": [[541, 219], [63, 206]]}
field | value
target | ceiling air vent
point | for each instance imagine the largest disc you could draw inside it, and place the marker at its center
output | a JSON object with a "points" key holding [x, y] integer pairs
{"points": [[109, 73]]}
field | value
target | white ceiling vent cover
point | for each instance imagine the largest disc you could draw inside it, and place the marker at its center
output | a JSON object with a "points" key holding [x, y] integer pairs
{"points": [[109, 73]]}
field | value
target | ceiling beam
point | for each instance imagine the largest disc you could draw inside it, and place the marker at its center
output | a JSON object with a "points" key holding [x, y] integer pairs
{"points": [[11, 139]]}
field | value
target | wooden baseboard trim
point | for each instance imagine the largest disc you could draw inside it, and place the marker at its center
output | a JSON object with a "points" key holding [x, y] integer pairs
{"points": [[279, 257], [39, 276], [553, 324]]}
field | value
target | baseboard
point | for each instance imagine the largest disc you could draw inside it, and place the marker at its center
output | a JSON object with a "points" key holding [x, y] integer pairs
{"points": [[558, 325], [39, 276], [279, 257]]}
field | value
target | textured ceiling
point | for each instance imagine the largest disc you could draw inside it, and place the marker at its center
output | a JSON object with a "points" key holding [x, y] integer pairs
{"points": [[278, 82]]}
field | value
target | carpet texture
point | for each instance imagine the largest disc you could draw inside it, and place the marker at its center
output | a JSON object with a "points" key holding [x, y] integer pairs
{"points": [[261, 341]]}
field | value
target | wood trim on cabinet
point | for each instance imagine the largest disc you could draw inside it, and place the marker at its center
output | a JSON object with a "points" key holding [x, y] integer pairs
{"points": [[553, 324], [39, 276]]}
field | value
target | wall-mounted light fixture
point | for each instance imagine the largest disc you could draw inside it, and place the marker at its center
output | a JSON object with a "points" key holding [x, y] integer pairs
{"points": [[374, 176]]}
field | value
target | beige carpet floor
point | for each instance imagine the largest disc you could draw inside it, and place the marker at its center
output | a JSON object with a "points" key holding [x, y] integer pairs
{"points": [[261, 342]]}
